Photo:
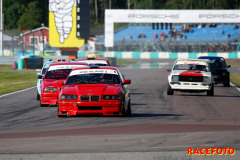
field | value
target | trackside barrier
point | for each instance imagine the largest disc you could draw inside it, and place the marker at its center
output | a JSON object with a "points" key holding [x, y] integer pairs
{"points": [[163, 55], [20, 63], [9, 60]]}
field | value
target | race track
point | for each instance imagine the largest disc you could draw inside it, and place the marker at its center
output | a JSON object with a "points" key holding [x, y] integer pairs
{"points": [[160, 124]]}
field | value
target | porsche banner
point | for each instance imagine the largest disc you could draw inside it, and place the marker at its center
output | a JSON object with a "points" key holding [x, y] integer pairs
{"points": [[165, 16]]}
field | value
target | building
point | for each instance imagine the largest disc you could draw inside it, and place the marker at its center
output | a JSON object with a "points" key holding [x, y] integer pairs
{"points": [[35, 39]]}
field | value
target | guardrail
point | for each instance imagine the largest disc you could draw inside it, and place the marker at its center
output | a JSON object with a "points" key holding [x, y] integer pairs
{"points": [[9, 60]]}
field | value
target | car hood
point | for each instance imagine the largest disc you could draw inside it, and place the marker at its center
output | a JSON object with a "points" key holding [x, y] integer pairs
{"points": [[92, 89], [190, 73], [51, 83]]}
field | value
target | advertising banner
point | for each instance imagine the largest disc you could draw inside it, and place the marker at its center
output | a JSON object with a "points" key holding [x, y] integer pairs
{"points": [[165, 16]]}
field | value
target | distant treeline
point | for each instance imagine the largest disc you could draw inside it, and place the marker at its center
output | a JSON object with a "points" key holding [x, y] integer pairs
{"points": [[30, 14]]}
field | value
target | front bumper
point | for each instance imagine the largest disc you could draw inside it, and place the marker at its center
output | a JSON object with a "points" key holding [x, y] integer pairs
{"points": [[70, 107], [49, 98], [191, 86]]}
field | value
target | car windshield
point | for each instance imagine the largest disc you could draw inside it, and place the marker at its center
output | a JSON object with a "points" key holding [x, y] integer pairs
{"points": [[58, 74], [93, 79], [99, 64], [217, 64], [190, 67], [44, 71]]}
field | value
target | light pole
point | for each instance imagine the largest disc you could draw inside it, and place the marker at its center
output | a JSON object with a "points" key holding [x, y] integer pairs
{"points": [[42, 40], [1, 28]]}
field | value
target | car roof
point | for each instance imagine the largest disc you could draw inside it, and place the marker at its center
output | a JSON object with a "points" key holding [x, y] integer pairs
{"points": [[200, 61], [83, 59], [191, 60], [211, 57], [69, 63], [96, 67]]}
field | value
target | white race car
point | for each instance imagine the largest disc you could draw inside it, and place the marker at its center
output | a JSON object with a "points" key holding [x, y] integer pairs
{"points": [[39, 82], [190, 75]]}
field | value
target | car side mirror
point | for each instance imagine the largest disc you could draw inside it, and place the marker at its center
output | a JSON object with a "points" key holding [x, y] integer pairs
{"points": [[40, 76], [60, 83], [229, 66], [127, 81]]}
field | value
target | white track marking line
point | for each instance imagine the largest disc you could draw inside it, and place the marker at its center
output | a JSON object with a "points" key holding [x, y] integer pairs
{"points": [[16, 92], [235, 86]]}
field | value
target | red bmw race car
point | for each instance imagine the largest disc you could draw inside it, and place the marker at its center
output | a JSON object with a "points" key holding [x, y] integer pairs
{"points": [[50, 87], [95, 90]]}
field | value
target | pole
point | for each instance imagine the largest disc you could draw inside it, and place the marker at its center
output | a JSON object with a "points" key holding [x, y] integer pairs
{"points": [[238, 45], [22, 42], [33, 42], [1, 29], [43, 40]]}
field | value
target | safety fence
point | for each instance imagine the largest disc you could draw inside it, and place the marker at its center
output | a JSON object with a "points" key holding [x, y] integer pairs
{"points": [[149, 45], [18, 43]]}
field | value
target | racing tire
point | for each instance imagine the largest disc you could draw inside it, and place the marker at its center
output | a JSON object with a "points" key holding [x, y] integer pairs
{"points": [[129, 110], [43, 105], [211, 91], [170, 91], [62, 116], [124, 112], [38, 96], [227, 82]]}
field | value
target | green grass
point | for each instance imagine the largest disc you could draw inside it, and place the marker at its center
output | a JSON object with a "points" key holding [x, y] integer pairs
{"points": [[235, 78], [6, 67], [122, 62], [14, 81]]}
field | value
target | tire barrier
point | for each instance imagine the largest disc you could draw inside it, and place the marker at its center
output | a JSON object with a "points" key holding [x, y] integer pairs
{"points": [[34, 63], [20, 63]]}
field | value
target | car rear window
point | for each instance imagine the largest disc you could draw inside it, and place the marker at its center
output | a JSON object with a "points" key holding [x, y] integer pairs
{"points": [[58, 74]]}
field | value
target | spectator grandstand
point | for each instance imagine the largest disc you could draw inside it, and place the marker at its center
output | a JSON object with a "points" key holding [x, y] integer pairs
{"points": [[187, 38]]}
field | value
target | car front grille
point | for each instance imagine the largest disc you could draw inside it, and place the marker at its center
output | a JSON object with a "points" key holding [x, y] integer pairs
{"points": [[95, 98], [84, 98], [191, 78], [87, 98]]}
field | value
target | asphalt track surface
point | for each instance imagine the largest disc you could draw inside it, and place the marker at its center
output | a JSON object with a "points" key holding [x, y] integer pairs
{"points": [[161, 126]]}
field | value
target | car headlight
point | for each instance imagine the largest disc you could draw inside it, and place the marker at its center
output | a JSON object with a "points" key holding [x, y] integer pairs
{"points": [[175, 78], [66, 96], [206, 79], [49, 89], [112, 97]]}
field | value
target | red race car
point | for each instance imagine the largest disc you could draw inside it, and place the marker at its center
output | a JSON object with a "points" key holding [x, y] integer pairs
{"points": [[50, 87], [95, 90]]}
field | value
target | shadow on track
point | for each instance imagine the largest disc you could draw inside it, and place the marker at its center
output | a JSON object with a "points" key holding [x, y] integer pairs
{"points": [[134, 93], [154, 115], [138, 104], [197, 95]]}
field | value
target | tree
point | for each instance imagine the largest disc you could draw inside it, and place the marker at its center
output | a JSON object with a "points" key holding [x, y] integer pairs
{"points": [[28, 14], [12, 15], [32, 17]]}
